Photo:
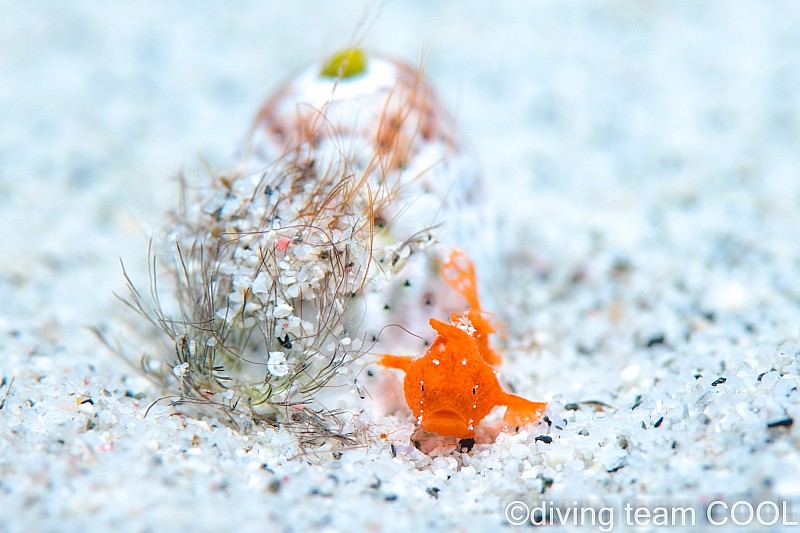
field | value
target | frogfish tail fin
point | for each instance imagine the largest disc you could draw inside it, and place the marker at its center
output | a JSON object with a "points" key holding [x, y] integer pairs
{"points": [[459, 272], [491, 356], [520, 411]]}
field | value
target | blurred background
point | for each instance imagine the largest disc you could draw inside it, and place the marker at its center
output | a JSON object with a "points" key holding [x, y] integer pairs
{"points": [[601, 105]]}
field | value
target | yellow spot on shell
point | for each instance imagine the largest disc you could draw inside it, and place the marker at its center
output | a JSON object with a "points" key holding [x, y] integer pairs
{"points": [[345, 64]]}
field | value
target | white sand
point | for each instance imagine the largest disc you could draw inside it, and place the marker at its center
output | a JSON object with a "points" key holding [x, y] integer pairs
{"points": [[644, 161]]}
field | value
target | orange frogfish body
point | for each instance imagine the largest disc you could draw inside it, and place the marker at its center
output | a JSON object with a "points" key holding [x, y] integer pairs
{"points": [[453, 386]]}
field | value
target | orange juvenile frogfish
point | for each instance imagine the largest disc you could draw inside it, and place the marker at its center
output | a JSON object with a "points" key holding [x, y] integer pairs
{"points": [[453, 386]]}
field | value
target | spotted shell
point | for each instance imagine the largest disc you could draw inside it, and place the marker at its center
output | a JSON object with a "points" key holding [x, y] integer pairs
{"points": [[382, 125]]}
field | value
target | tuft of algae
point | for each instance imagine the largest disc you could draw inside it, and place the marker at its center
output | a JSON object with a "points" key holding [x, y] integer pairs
{"points": [[345, 64]]}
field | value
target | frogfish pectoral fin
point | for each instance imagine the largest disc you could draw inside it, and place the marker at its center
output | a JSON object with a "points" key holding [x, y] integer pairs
{"points": [[400, 362], [520, 411]]}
